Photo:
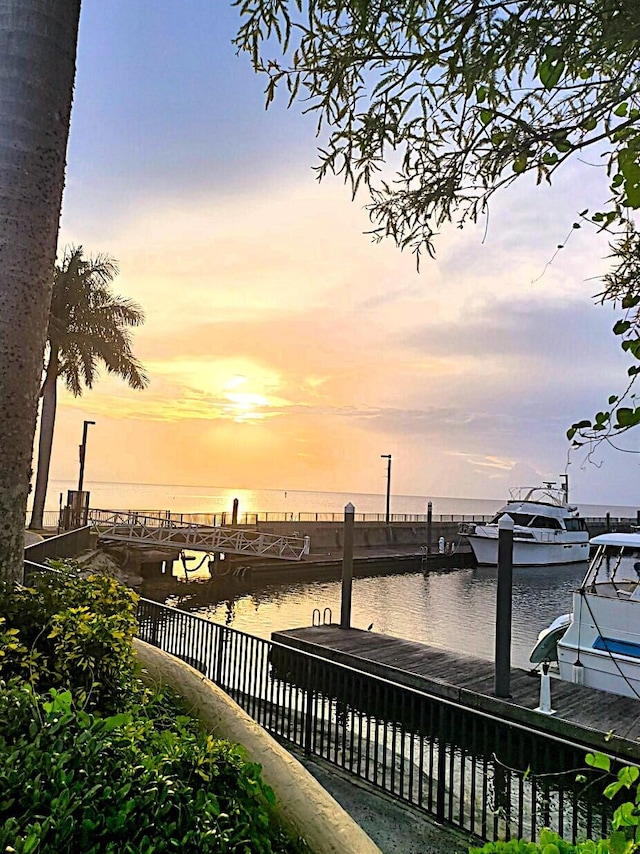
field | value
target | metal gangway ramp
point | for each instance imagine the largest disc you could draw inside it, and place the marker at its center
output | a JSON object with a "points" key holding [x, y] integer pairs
{"points": [[143, 529]]}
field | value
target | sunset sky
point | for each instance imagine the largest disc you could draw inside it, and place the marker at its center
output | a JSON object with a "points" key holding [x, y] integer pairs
{"points": [[285, 349]]}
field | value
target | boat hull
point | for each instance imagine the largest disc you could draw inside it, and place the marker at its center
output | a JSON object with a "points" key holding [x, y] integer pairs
{"points": [[530, 552], [601, 645], [590, 653]]}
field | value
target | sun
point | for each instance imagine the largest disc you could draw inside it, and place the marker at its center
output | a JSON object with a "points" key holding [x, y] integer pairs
{"points": [[235, 381], [244, 405], [247, 406]]}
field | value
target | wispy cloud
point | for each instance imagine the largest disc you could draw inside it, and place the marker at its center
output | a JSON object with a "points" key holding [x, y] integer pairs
{"points": [[282, 345]]}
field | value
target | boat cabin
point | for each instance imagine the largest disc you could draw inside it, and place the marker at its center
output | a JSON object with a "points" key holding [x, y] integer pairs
{"points": [[533, 520]]}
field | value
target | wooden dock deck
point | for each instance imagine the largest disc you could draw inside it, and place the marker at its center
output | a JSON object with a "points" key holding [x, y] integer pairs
{"points": [[596, 719]]}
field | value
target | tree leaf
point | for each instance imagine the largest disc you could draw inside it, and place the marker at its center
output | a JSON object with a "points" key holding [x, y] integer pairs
{"points": [[598, 760], [621, 327]]}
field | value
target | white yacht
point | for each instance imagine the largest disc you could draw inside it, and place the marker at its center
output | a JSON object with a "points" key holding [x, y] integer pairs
{"points": [[598, 644], [546, 529]]}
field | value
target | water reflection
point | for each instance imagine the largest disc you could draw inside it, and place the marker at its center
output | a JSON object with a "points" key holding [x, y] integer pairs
{"points": [[454, 609]]}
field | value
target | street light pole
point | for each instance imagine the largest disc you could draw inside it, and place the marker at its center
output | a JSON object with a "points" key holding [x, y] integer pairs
{"points": [[83, 454], [387, 457]]}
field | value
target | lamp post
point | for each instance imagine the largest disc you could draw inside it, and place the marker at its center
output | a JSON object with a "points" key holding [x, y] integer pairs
{"points": [[387, 457], [83, 454]]}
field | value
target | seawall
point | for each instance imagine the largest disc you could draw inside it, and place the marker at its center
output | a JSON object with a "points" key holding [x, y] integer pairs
{"points": [[326, 536]]}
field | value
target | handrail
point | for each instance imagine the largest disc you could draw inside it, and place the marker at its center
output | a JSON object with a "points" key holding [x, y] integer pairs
{"points": [[352, 672], [425, 749], [156, 530], [214, 520], [461, 764], [68, 544]]}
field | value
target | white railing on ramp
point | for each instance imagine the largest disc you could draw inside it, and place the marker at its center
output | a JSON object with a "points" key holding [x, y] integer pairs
{"points": [[159, 531]]}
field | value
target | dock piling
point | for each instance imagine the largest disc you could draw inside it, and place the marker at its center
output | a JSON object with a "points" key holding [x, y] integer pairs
{"points": [[502, 678], [429, 526], [347, 566]]}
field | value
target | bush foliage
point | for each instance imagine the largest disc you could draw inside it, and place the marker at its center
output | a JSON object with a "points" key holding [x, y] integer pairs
{"points": [[64, 630], [91, 760], [550, 843], [147, 780]]}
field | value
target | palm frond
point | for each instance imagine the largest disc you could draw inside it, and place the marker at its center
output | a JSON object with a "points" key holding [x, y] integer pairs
{"points": [[88, 323]]}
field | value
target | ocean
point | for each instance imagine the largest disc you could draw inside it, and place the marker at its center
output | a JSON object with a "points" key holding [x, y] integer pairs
{"points": [[214, 499]]}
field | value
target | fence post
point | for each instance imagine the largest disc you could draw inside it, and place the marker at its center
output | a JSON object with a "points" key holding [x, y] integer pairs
{"points": [[347, 567], [220, 648], [308, 711], [442, 763], [154, 618]]}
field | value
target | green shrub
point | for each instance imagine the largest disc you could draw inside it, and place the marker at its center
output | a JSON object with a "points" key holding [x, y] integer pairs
{"points": [[89, 760], [550, 843], [66, 631], [144, 781]]}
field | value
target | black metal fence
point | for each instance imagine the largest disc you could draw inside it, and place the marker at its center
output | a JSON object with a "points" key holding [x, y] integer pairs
{"points": [[470, 769], [251, 519], [69, 544], [51, 518]]}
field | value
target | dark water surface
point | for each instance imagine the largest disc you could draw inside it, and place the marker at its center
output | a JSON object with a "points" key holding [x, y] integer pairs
{"points": [[454, 609]]}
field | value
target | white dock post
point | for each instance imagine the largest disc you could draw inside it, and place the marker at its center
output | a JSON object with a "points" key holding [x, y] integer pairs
{"points": [[545, 691]]}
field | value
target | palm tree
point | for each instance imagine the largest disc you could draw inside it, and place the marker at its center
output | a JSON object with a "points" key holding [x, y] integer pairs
{"points": [[37, 69], [87, 327]]}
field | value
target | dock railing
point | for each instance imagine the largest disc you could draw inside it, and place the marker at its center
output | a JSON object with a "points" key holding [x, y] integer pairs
{"points": [[490, 778], [251, 519], [52, 518], [134, 527]]}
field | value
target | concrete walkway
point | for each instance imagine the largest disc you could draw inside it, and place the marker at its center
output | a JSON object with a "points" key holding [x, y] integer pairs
{"points": [[393, 826]]}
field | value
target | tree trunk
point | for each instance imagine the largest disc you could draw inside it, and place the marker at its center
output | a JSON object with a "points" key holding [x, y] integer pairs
{"points": [[47, 424], [37, 67]]}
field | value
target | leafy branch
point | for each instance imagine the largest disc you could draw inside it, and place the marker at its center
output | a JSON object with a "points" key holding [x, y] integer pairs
{"points": [[431, 106]]}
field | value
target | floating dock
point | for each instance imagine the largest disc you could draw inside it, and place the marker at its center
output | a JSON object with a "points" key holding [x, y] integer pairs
{"points": [[597, 719], [366, 562]]}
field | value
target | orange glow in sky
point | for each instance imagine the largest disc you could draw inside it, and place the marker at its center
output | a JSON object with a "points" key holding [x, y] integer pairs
{"points": [[285, 349]]}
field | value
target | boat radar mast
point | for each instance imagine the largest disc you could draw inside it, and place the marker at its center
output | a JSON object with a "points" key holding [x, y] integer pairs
{"points": [[564, 482]]}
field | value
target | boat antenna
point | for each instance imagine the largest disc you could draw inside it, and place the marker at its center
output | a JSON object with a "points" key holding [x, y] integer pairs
{"points": [[564, 480]]}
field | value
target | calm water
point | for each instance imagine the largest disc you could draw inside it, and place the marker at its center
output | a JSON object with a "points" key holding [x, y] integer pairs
{"points": [[212, 499], [453, 609]]}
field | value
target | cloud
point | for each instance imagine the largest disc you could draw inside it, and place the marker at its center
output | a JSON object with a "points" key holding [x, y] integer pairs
{"points": [[469, 372]]}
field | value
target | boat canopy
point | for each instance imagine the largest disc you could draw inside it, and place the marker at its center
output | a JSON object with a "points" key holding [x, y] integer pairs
{"points": [[615, 568], [547, 494]]}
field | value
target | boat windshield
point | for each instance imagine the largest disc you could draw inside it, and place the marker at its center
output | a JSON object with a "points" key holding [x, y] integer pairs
{"points": [[614, 567], [528, 520]]}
